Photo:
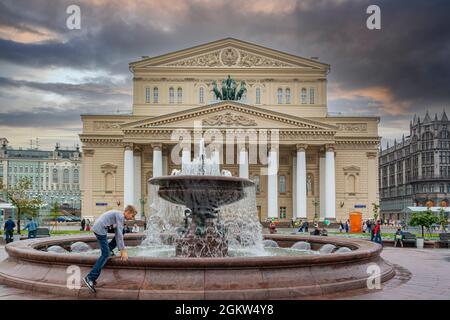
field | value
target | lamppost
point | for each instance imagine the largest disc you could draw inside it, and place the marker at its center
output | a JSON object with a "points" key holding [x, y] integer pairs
{"points": [[142, 202], [315, 204]]}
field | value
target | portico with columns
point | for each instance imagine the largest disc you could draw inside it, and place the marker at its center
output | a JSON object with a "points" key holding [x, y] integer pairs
{"points": [[321, 166]]}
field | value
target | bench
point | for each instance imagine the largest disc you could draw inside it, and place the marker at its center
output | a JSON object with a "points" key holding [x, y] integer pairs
{"points": [[408, 237], [40, 233], [444, 238]]}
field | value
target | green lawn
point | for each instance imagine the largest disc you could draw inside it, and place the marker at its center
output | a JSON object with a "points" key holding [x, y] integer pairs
{"points": [[433, 236]]}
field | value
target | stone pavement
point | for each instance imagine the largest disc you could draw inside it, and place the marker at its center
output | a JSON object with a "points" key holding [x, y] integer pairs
{"points": [[420, 274]]}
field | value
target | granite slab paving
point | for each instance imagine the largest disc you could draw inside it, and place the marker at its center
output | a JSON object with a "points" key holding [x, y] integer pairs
{"points": [[420, 274]]}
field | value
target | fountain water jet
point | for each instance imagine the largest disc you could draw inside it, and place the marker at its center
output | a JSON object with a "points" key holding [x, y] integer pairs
{"points": [[203, 190]]}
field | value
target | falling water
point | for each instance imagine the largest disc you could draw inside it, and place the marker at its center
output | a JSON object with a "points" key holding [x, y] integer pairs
{"points": [[238, 220]]}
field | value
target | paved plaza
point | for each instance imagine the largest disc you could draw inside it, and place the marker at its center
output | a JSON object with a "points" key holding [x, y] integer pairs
{"points": [[420, 274]]}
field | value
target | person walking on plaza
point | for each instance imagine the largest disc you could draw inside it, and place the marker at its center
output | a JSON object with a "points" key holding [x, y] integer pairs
{"points": [[32, 228], [107, 219], [83, 224], [347, 226], [369, 226], [377, 233], [9, 230], [398, 237], [341, 226]]}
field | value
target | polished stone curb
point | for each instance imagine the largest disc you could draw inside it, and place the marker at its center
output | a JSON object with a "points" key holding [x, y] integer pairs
{"points": [[271, 277]]}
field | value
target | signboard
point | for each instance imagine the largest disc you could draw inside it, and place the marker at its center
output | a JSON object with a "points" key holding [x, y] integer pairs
{"points": [[101, 204], [360, 206]]}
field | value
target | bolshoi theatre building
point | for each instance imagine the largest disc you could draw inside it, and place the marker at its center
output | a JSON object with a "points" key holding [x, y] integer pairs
{"points": [[326, 165]]}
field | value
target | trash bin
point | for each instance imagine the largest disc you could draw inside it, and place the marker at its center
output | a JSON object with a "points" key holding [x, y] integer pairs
{"points": [[419, 243]]}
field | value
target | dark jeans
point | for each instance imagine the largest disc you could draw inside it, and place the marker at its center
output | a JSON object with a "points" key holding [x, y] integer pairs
{"points": [[9, 236], [32, 234], [105, 254], [378, 238]]}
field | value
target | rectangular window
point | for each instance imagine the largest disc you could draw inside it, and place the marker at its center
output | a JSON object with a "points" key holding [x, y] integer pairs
{"points": [[282, 212], [303, 95], [282, 184], [258, 96], [256, 180], [155, 95], [280, 96], [147, 95], [311, 95], [288, 95]]}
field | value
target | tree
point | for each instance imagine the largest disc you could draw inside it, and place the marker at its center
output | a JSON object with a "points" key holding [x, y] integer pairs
{"points": [[443, 218], [375, 210], [54, 214], [22, 201], [424, 219]]}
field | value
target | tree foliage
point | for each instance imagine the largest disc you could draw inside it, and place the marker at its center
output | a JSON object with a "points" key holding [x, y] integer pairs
{"points": [[424, 219], [375, 210], [54, 214], [19, 197]]}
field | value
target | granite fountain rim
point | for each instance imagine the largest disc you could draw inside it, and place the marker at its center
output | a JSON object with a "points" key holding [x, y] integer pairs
{"points": [[29, 250]]}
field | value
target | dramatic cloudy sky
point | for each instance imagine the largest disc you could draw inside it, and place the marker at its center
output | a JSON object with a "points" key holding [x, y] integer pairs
{"points": [[49, 75]]}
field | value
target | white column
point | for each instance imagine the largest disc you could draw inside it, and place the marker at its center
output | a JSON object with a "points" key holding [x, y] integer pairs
{"points": [[322, 175], [243, 163], [301, 182], [294, 185], [157, 160], [185, 156], [272, 184], [128, 177], [330, 184], [137, 181]]}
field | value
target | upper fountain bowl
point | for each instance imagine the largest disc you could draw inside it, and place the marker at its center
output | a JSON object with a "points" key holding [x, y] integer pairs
{"points": [[207, 191]]}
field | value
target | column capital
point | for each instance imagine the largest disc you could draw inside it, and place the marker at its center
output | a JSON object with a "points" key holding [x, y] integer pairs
{"points": [[330, 147], [243, 147], [273, 147], [128, 146], [157, 146], [372, 154], [301, 147], [88, 152]]}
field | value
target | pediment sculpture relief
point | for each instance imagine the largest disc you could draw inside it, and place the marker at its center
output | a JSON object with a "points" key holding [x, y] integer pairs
{"points": [[229, 119], [229, 57]]}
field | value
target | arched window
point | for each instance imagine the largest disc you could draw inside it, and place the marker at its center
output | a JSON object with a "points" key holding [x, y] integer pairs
{"points": [[280, 95], [109, 182], [147, 95], [66, 176], [76, 176], [55, 175], [201, 95], [303, 95], [180, 95], [288, 95], [311, 95], [351, 184], [155, 95], [258, 96], [171, 95]]}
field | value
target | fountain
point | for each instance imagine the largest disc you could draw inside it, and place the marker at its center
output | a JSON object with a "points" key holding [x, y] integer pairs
{"points": [[203, 196], [203, 241]]}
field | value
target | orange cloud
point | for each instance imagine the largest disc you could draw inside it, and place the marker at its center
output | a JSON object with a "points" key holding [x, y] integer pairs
{"points": [[33, 35], [380, 94]]}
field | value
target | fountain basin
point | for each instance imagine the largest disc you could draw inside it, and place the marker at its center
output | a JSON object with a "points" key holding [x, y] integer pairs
{"points": [[201, 191], [271, 277]]}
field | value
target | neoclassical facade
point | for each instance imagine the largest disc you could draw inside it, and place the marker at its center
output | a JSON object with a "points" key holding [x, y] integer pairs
{"points": [[326, 165]]}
